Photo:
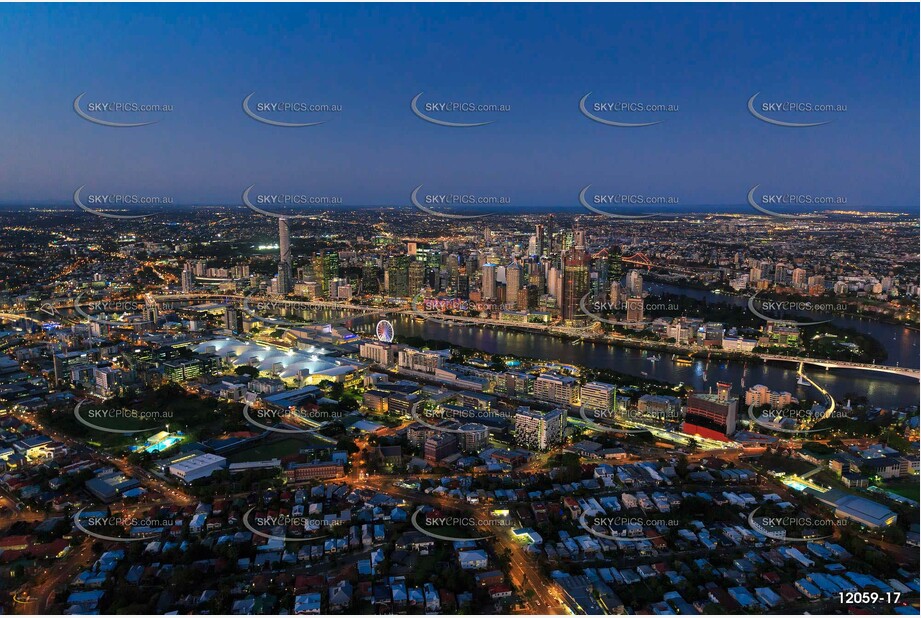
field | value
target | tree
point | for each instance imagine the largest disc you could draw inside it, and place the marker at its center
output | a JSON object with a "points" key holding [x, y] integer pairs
{"points": [[247, 370]]}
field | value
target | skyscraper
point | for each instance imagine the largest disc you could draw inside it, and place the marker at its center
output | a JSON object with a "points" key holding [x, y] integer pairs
{"points": [[513, 284], [575, 278], [635, 309], [186, 279], [285, 284], [615, 264], [635, 283], [416, 276], [398, 276], [284, 242], [369, 278], [489, 281]]}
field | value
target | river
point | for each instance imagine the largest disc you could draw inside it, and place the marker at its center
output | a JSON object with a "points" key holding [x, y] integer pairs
{"points": [[883, 390]]}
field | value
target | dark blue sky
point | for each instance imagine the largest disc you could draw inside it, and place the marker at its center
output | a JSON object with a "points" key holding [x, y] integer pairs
{"points": [[539, 59]]}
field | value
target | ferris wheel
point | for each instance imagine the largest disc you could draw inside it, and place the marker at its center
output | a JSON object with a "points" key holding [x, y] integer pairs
{"points": [[384, 331]]}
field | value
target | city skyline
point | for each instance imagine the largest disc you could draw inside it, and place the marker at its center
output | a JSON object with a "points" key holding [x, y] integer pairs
{"points": [[460, 309]]}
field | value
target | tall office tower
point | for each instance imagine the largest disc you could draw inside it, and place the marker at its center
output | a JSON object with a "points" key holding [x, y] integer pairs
{"points": [[578, 238], [285, 267], [600, 269], [500, 271], [487, 235], [186, 279], [531, 295], [285, 284], [615, 264], [452, 264], [575, 282], [330, 268], [539, 240], [463, 287], [754, 275], [489, 281], [513, 284], [712, 416], [369, 278], [616, 295], [231, 318], [635, 283], [416, 276], [284, 243], [635, 309], [567, 240], [398, 276], [555, 284], [438, 280], [472, 264], [318, 273]]}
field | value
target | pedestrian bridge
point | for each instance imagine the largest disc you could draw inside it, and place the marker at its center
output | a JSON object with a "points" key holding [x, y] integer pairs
{"points": [[830, 364]]}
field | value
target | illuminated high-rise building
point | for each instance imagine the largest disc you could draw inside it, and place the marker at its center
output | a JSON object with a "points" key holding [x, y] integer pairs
{"points": [[416, 276], [576, 282], [284, 242], [397, 276], [512, 283], [540, 241], [635, 283], [186, 279], [489, 282]]}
